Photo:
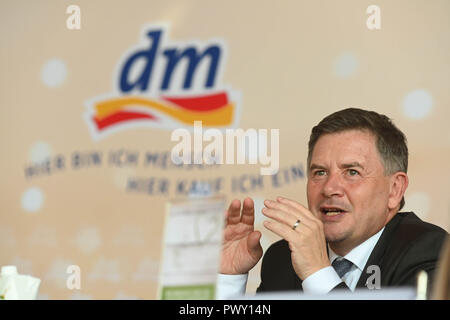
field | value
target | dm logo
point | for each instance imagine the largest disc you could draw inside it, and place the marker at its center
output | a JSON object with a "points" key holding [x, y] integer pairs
{"points": [[166, 85]]}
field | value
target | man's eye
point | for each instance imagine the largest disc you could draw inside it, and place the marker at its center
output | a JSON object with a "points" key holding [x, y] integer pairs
{"points": [[353, 172], [319, 173]]}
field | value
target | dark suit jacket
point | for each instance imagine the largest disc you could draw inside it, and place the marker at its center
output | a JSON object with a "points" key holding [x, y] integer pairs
{"points": [[406, 246]]}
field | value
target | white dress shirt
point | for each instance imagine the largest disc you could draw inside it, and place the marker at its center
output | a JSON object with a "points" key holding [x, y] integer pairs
{"points": [[320, 282]]}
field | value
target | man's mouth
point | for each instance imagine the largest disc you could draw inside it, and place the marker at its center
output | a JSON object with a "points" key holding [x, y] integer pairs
{"points": [[331, 211]]}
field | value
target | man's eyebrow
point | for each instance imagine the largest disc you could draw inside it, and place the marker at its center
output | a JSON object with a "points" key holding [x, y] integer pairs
{"points": [[352, 165], [316, 166], [344, 166]]}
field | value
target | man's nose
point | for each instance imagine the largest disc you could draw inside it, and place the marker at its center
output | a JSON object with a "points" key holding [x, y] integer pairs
{"points": [[333, 185]]}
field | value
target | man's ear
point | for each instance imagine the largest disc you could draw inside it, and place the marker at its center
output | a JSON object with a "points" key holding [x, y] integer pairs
{"points": [[398, 184]]}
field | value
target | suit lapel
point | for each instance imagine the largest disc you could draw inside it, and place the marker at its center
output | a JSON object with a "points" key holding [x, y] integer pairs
{"points": [[378, 252]]}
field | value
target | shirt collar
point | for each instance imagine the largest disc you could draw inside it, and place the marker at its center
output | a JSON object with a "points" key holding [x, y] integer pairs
{"points": [[361, 253]]}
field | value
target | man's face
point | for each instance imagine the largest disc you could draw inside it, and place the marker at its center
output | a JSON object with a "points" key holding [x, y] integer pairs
{"points": [[347, 188]]}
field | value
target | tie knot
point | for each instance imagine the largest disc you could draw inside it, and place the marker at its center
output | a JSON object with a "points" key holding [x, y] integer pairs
{"points": [[342, 266]]}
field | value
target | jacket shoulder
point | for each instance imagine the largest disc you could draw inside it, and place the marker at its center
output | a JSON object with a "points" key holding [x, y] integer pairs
{"points": [[414, 245], [411, 228]]}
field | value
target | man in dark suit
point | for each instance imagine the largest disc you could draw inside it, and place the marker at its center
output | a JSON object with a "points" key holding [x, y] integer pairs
{"points": [[352, 228]]}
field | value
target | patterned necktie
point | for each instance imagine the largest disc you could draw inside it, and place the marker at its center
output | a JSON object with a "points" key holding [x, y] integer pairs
{"points": [[342, 266]]}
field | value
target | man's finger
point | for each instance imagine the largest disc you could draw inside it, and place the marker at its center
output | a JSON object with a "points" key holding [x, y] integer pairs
{"points": [[280, 229], [285, 213], [296, 205], [253, 244], [281, 217], [248, 211], [234, 212]]}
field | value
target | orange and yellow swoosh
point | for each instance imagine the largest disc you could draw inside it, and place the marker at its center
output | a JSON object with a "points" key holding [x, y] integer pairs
{"points": [[212, 110]]}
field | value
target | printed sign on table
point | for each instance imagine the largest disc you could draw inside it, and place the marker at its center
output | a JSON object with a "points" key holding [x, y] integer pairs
{"points": [[191, 248]]}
